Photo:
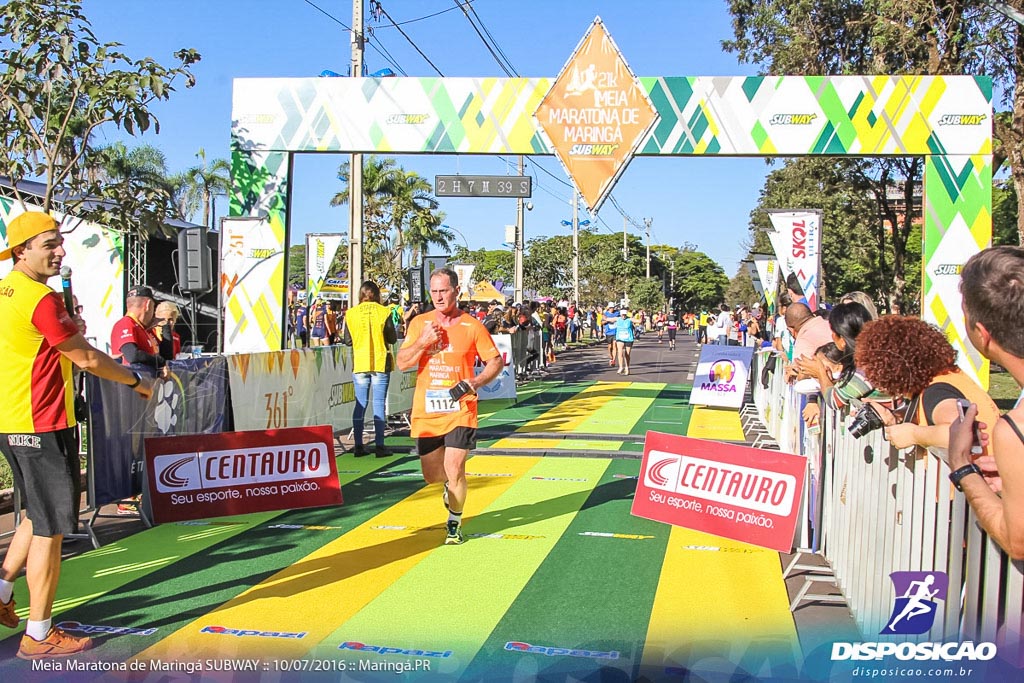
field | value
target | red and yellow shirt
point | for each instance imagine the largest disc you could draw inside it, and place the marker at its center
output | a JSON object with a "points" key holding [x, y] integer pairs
{"points": [[465, 340], [36, 377], [128, 330]]}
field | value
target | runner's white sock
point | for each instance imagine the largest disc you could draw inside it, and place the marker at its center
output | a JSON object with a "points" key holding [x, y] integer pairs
{"points": [[38, 629], [455, 517], [6, 590]]}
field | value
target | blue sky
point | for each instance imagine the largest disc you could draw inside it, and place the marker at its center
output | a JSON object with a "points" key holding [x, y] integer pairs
{"points": [[705, 201]]}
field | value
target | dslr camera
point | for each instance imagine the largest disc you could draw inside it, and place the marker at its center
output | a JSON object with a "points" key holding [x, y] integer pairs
{"points": [[865, 421]]}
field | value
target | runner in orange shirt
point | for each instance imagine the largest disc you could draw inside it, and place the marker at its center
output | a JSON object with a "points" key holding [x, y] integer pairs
{"points": [[444, 345]]}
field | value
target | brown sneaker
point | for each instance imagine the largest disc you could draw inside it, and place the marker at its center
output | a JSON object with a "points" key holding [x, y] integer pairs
{"points": [[7, 616], [56, 644]]}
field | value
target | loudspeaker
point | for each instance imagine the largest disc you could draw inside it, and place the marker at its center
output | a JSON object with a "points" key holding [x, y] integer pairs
{"points": [[415, 285], [195, 267]]}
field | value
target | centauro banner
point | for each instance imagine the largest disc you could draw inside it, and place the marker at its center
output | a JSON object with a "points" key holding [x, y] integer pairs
{"points": [[801, 245], [746, 494], [321, 248], [233, 473]]}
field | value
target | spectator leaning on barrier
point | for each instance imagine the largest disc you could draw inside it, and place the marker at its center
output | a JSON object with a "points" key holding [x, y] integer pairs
{"points": [[130, 339], [992, 284], [163, 329], [809, 332], [862, 299], [845, 321], [370, 330], [38, 437], [908, 358]]}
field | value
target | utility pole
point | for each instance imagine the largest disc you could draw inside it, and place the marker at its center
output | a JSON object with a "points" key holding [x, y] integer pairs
{"points": [[355, 170], [520, 244], [647, 223], [575, 249], [625, 260]]}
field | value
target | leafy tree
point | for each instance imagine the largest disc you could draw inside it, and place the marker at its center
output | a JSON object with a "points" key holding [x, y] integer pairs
{"points": [[741, 289], [58, 85], [206, 181], [491, 264], [699, 281], [132, 193], [646, 293], [1004, 214], [297, 264]]}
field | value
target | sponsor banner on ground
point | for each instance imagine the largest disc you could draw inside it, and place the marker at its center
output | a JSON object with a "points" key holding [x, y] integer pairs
{"points": [[721, 377], [504, 385], [214, 475], [800, 248], [736, 492]]}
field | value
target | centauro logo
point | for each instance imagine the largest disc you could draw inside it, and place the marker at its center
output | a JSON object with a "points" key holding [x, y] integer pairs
{"points": [[592, 150], [261, 253], [792, 119], [407, 119], [948, 269], [962, 119]]}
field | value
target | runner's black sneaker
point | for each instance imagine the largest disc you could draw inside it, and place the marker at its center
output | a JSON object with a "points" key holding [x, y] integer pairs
{"points": [[454, 536], [444, 497]]}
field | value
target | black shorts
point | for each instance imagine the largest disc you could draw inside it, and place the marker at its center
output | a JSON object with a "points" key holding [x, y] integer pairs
{"points": [[610, 338], [47, 472], [460, 437], [671, 334]]}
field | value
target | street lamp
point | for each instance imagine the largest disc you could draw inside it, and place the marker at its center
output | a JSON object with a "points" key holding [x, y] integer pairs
{"points": [[459, 233], [575, 223]]}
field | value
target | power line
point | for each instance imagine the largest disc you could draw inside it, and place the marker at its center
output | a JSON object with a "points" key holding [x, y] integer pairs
{"points": [[411, 42], [383, 53], [506, 67]]}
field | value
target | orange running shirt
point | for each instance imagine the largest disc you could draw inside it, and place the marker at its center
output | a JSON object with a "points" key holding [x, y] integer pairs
{"points": [[35, 376], [433, 412]]}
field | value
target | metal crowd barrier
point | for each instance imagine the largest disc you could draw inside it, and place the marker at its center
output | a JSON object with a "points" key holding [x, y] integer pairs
{"points": [[527, 351], [880, 510]]}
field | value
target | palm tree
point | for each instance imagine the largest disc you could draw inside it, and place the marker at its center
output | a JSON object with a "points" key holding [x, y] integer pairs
{"points": [[131, 190], [414, 198], [425, 228], [211, 180], [380, 185]]}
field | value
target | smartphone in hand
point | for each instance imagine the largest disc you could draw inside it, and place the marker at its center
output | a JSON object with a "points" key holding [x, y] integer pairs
{"points": [[962, 404]]}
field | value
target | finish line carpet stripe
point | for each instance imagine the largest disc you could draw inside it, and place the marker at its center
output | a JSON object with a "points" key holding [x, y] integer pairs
{"points": [[328, 586], [718, 596], [594, 591], [97, 572], [569, 414], [626, 407], [454, 598]]}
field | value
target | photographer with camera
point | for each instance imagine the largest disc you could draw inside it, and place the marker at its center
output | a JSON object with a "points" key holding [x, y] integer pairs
{"points": [[911, 360], [443, 345], [992, 283]]}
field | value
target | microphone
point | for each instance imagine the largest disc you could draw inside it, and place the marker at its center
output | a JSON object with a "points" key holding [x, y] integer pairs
{"points": [[65, 283]]}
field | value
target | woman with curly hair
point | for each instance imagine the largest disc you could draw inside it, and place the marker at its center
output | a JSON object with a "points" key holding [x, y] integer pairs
{"points": [[907, 357]]}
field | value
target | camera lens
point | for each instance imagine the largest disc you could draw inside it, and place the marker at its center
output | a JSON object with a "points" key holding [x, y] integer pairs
{"points": [[864, 422]]}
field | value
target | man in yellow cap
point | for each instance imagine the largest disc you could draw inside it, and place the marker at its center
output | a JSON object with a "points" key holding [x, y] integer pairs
{"points": [[37, 426]]}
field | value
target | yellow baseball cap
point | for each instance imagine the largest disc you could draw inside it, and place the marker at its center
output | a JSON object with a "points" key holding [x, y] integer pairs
{"points": [[25, 227]]}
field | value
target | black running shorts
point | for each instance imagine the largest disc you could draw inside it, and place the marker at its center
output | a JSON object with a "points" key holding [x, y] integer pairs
{"points": [[460, 437], [47, 472], [671, 334]]}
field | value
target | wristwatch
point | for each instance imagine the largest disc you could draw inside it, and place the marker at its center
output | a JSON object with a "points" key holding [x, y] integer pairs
{"points": [[137, 382], [957, 475]]}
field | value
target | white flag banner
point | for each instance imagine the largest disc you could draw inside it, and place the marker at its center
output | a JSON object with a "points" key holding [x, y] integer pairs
{"points": [[801, 242], [465, 273], [768, 272], [755, 278], [321, 248], [778, 244]]}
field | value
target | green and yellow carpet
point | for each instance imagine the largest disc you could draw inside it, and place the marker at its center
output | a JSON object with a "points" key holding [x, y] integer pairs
{"points": [[556, 580]]}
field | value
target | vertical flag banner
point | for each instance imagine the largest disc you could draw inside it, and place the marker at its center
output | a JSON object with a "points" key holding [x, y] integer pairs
{"points": [[768, 272], [783, 264], [465, 273], [801, 248], [252, 267], [755, 278], [321, 248]]}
